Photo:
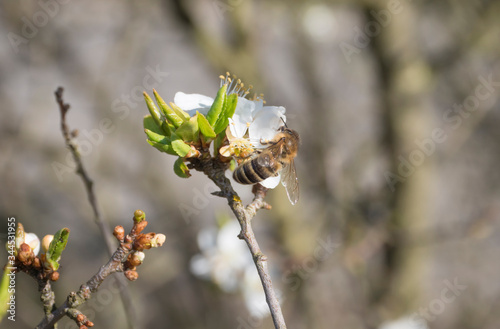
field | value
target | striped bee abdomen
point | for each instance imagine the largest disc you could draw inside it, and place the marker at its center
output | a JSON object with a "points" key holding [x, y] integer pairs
{"points": [[252, 172]]}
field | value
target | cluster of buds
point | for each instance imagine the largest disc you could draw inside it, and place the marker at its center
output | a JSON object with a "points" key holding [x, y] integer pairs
{"points": [[83, 321], [26, 248], [187, 132], [136, 242]]}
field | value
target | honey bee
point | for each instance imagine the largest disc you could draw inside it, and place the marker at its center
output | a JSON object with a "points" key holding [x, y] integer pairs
{"points": [[270, 162]]}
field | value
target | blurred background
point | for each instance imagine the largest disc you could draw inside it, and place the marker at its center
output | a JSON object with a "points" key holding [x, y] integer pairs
{"points": [[397, 104]]}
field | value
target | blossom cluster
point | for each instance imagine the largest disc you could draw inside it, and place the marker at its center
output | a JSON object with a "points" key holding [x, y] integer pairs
{"points": [[237, 125]]}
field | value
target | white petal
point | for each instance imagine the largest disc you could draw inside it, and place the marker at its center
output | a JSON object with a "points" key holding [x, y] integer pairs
{"points": [[266, 123], [271, 182], [237, 128], [193, 102], [32, 240], [258, 107], [242, 117]]}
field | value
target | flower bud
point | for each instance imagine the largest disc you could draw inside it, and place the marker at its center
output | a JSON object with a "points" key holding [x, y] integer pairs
{"points": [[32, 240], [46, 242], [143, 241], [158, 240], [136, 258], [131, 275], [139, 227], [139, 215], [25, 254], [119, 232], [54, 276]]}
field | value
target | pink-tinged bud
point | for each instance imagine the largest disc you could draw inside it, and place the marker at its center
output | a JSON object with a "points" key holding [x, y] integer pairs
{"points": [[131, 275], [46, 242], [80, 317]]}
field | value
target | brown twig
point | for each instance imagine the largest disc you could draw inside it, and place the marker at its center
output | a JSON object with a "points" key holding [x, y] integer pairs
{"points": [[215, 171], [89, 187], [117, 263]]}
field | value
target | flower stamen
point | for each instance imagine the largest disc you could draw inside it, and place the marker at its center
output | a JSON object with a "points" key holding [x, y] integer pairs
{"points": [[234, 85]]}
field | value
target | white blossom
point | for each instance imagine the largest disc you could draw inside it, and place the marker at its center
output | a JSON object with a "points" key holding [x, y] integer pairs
{"points": [[32, 240], [251, 123]]}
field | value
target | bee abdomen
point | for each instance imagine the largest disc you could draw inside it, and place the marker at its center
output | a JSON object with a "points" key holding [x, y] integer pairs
{"points": [[251, 172]]}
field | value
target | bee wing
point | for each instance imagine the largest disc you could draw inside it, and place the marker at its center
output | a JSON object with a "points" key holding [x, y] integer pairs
{"points": [[290, 182]]}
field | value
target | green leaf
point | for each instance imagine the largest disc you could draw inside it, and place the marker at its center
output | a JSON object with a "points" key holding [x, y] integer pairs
{"points": [[205, 127], [188, 131], [56, 247], [170, 114], [157, 137], [216, 109], [153, 110], [167, 148], [181, 148], [227, 112], [181, 169], [4, 292], [218, 142], [180, 112], [149, 123]]}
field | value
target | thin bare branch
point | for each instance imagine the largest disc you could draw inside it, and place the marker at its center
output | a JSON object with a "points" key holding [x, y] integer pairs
{"points": [[115, 264], [215, 170], [89, 187]]}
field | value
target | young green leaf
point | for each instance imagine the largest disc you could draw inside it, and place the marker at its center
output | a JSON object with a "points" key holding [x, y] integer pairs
{"points": [[172, 116], [188, 131], [167, 148], [56, 247], [157, 137], [181, 169], [227, 112], [153, 110], [180, 112], [181, 148], [6, 292], [216, 109], [149, 123], [205, 127], [218, 142]]}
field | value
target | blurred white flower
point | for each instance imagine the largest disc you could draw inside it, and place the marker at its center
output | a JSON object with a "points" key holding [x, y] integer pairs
{"points": [[225, 260], [32, 240], [224, 257], [405, 323]]}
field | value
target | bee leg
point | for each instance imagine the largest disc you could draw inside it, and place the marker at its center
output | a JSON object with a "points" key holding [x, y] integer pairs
{"points": [[264, 141]]}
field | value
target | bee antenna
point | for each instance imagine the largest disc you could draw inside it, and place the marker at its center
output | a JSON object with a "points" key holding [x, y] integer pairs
{"points": [[284, 122]]}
